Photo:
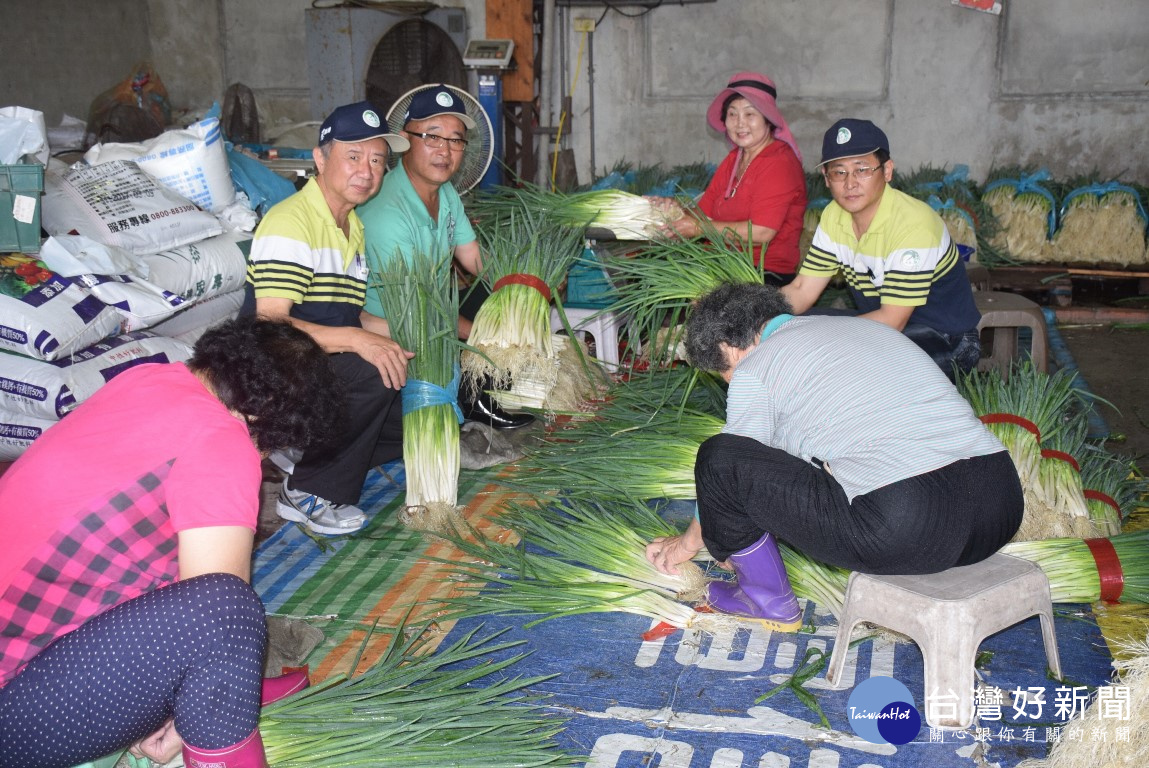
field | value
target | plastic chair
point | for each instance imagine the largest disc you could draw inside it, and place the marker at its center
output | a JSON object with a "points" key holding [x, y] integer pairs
{"points": [[1003, 315], [948, 615], [590, 291], [600, 324]]}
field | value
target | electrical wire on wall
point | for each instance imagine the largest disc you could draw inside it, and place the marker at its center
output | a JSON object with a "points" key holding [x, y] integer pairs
{"points": [[583, 40]]}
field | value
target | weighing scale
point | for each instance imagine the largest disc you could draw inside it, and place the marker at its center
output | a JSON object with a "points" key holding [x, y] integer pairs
{"points": [[490, 58]]}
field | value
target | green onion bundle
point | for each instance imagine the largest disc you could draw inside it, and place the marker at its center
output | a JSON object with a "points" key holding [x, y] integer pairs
{"points": [[422, 304], [524, 255], [670, 390], [642, 463], [527, 582], [416, 709], [1021, 411], [690, 178], [1058, 488], [626, 215], [1112, 487], [1024, 210], [1114, 569], [823, 584], [1100, 223], [611, 537], [657, 286]]}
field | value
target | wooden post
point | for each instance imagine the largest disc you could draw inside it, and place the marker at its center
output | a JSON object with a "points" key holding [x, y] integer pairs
{"points": [[512, 20]]}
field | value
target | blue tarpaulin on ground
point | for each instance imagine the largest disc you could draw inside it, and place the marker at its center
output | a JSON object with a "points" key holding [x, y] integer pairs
{"points": [[688, 700]]}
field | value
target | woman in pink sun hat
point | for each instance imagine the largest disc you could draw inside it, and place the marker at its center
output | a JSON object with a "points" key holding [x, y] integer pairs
{"points": [[759, 190]]}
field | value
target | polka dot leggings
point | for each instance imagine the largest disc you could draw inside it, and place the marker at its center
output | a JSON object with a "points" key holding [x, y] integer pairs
{"points": [[192, 650]]}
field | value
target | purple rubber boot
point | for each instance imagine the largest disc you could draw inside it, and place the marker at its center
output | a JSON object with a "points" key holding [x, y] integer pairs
{"points": [[762, 590]]}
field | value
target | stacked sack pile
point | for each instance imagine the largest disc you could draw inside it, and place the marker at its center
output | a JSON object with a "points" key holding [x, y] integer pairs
{"points": [[147, 249]]}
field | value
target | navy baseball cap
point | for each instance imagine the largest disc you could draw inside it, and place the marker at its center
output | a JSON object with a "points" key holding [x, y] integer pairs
{"points": [[359, 122], [437, 100], [850, 137]]}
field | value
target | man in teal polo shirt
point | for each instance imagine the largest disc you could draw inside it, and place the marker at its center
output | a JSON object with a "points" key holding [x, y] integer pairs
{"points": [[418, 210], [898, 260]]}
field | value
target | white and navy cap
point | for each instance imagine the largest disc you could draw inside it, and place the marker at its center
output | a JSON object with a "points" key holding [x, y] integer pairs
{"points": [[359, 122], [437, 100]]}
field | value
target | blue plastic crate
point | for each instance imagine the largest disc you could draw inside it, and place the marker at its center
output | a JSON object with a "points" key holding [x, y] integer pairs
{"points": [[588, 285]]}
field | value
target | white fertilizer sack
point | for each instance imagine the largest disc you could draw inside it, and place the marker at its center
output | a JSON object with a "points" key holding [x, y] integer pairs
{"points": [[118, 204], [45, 315], [17, 431], [203, 269], [139, 304], [190, 161], [49, 390], [188, 325]]}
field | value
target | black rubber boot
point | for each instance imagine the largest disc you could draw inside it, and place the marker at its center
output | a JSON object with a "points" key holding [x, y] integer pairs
{"points": [[482, 408]]}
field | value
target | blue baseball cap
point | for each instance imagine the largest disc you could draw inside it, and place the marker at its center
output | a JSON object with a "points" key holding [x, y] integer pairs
{"points": [[437, 100], [850, 137], [359, 122]]}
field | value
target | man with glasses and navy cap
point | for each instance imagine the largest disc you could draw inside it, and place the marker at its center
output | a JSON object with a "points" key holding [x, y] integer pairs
{"points": [[418, 210], [899, 261], [308, 267]]}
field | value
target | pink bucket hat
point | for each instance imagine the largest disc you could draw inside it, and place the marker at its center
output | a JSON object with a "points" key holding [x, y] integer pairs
{"points": [[760, 91]]}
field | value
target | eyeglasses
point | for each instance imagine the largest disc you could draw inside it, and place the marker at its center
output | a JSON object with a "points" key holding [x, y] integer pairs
{"points": [[861, 173], [436, 142]]}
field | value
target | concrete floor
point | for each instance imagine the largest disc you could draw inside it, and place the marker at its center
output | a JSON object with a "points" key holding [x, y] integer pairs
{"points": [[1114, 362]]}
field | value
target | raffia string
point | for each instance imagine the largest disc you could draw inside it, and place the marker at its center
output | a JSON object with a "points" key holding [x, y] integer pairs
{"points": [[520, 278]]}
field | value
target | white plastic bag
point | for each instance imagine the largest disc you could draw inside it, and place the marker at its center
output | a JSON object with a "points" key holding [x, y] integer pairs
{"points": [[22, 133]]}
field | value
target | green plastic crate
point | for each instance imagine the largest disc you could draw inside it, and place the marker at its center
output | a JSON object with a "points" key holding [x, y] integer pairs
{"points": [[20, 188]]}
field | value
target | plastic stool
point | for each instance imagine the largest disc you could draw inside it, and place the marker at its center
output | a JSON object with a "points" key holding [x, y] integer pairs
{"points": [[601, 324], [978, 276], [948, 615], [1002, 316]]}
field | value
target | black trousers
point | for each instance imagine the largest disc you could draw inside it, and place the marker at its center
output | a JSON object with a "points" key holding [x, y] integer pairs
{"points": [[372, 433], [956, 515]]}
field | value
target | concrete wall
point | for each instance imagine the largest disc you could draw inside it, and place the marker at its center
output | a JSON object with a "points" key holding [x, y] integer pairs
{"points": [[58, 55], [1059, 83]]}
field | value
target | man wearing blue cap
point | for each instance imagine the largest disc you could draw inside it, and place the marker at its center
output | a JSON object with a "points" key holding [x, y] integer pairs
{"points": [[418, 210], [308, 267], [899, 261]]}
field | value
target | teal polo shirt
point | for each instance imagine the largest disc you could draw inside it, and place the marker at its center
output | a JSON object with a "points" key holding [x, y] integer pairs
{"points": [[397, 224]]}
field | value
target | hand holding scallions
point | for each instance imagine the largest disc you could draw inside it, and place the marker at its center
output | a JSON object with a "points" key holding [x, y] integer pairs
{"points": [[666, 552], [675, 220]]}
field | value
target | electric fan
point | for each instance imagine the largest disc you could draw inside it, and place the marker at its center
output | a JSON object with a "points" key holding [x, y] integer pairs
{"points": [[480, 149]]}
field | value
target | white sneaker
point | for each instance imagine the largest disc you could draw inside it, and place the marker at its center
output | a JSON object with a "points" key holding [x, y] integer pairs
{"points": [[286, 459], [318, 514]]}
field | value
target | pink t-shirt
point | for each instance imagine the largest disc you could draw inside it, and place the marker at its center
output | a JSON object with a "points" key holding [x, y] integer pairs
{"points": [[772, 193], [91, 510]]}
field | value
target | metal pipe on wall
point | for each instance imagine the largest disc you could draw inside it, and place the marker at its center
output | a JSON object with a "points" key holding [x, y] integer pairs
{"points": [[590, 88], [546, 86]]}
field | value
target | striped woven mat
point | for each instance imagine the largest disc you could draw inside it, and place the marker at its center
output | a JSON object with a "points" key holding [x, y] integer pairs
{"points": [[347, 585]]}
